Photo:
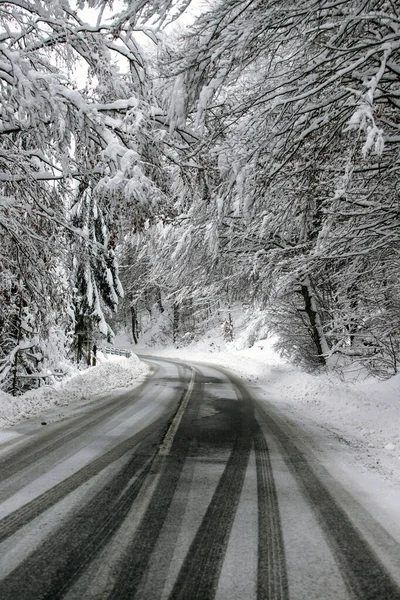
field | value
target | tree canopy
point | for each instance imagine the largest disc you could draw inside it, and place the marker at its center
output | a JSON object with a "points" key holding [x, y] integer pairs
{"points": [[255, 160]]}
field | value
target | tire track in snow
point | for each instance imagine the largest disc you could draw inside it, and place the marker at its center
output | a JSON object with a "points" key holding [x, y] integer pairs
{"points": [[66, 553], [200, 572], [272, 583], [20, 517], [136, 559], [40, 447], [50, 570], [199, 575], [364, 575]]}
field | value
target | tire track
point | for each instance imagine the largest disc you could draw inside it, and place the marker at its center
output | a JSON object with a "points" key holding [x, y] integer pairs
{"points": [[364, 575], [20, 517], [199, 575], [50, 570], [53, 439], [67, 552], [135, 562], [272, 583], [158, 569]]}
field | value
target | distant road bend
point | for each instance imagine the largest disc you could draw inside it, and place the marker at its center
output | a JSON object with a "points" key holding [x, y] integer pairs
{"points": [[186, 488]]}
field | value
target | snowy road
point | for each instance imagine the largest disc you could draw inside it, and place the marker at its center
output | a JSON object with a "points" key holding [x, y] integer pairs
{"points": [[185, 488]]}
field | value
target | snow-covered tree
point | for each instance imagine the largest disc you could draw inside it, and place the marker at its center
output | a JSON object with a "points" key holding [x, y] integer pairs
{"points": [[66, 146], [299, 102]]}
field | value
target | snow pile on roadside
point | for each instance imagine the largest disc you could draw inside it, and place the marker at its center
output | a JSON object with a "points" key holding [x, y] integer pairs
{"points": [[363, 413], [368, 412], [112, 372]]}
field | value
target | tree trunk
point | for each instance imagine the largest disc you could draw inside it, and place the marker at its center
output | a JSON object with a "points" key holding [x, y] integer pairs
{"points": [[159, 300], [317, 332], [16, 358], [147, 302], [175, 322], [79, 348], [134, 322], [89, 353]]}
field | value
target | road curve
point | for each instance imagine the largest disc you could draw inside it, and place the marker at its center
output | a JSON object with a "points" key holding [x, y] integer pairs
{"points": [[184, 488]]}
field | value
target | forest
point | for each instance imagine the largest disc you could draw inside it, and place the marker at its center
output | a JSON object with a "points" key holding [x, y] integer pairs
{"points": [[248, 153]]}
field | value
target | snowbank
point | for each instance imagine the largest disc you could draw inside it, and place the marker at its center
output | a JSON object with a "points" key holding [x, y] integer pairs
{"points": [[112, 372]]}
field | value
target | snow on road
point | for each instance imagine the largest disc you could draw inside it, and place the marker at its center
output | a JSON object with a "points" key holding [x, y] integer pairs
{"points": [[346, 435]]}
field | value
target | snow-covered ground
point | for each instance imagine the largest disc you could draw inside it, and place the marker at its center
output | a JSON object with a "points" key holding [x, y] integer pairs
{"points": [[111, 373]]}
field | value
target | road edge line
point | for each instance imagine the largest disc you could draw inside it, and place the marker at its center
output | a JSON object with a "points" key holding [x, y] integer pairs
{"points": [[169, 437]]}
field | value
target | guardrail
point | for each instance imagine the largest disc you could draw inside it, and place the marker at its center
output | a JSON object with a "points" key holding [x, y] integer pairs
{"points": [[115, 351]]}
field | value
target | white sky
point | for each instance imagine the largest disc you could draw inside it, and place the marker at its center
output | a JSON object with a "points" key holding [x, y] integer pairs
{"points": [[90, 15], [195, 8]]}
